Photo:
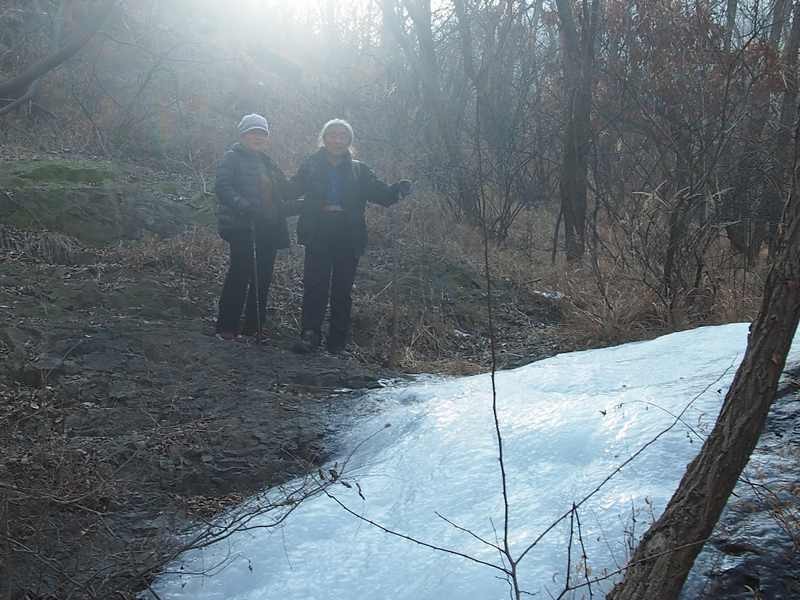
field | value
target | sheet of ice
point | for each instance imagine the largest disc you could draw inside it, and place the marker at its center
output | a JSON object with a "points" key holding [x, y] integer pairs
{"points": [[567, 423]]}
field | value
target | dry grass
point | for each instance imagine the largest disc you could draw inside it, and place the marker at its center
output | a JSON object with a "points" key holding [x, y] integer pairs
{"points": [[424, 280], [604, 300], [47, 246], [420, 295], [616, 294], [197, 252], [608, 305]]}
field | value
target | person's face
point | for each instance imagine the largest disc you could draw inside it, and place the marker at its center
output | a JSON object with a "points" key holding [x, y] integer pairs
{"points": [[336, 140], [256, 140]]}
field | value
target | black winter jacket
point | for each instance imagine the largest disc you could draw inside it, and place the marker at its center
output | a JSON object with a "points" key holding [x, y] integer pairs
{"points": [[240, 191], [360, 185]]}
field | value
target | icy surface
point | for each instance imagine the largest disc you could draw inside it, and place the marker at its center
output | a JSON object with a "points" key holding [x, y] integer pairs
{"points": [[568, 422]]}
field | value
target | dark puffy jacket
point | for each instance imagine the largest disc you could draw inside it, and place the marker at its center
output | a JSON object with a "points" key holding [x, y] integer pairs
{"points": [[360, 185], [240, 191]]}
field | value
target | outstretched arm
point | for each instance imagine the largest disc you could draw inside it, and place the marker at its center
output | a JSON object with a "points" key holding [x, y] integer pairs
{"points": [[378, 191]]}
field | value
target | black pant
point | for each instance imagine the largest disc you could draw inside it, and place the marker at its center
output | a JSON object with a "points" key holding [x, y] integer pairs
{"points": [[239, 280], [330, 268]]}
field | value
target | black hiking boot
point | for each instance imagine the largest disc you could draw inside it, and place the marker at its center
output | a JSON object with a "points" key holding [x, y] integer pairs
{"points": [[251, 329], [337, 349], [254, 334], [307, 343]]}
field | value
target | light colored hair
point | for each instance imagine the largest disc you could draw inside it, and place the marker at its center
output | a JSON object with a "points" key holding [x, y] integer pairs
{"points": [[335, 123]]}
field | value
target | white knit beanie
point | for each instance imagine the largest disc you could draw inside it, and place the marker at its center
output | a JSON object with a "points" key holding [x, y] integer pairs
{"points": [[251, 122]]}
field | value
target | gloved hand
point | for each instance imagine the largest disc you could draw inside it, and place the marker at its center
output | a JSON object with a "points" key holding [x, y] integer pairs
{"points": [[403, 187]]}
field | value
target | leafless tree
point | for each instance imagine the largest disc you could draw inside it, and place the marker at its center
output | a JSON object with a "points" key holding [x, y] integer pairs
{"points": [[666, 553], [21, 88], [578, 39], [411, 23]]}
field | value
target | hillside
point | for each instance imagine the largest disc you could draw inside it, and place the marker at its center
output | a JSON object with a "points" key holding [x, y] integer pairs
{"points": [[123, 416]]}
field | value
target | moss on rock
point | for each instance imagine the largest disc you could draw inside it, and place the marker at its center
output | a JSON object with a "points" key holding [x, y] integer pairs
{"points": [[97, 202], [59, 172]]}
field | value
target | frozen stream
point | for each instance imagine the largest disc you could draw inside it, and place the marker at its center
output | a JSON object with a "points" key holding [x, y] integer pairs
{"points": [[567, 423]]}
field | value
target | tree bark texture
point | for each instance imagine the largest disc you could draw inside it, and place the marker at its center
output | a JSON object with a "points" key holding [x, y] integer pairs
{"points": [[681, 200], [577, 55], [661, 563]]}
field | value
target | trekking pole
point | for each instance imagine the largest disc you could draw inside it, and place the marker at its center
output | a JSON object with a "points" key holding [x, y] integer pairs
{"points": [[254, 285]]}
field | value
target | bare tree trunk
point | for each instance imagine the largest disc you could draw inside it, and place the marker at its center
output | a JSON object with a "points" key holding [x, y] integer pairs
{"points": [[730, 22], [659, 567], [578, 63], [18, 86], [778, 22], [747, 229], [774, 199], [681, 199]]}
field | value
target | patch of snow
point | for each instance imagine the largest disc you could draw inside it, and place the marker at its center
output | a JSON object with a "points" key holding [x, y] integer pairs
{"points": [[568, 422], [550, 295]]}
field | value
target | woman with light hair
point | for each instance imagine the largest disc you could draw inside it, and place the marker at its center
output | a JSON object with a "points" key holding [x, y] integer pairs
{"points": [[336, 189]]}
